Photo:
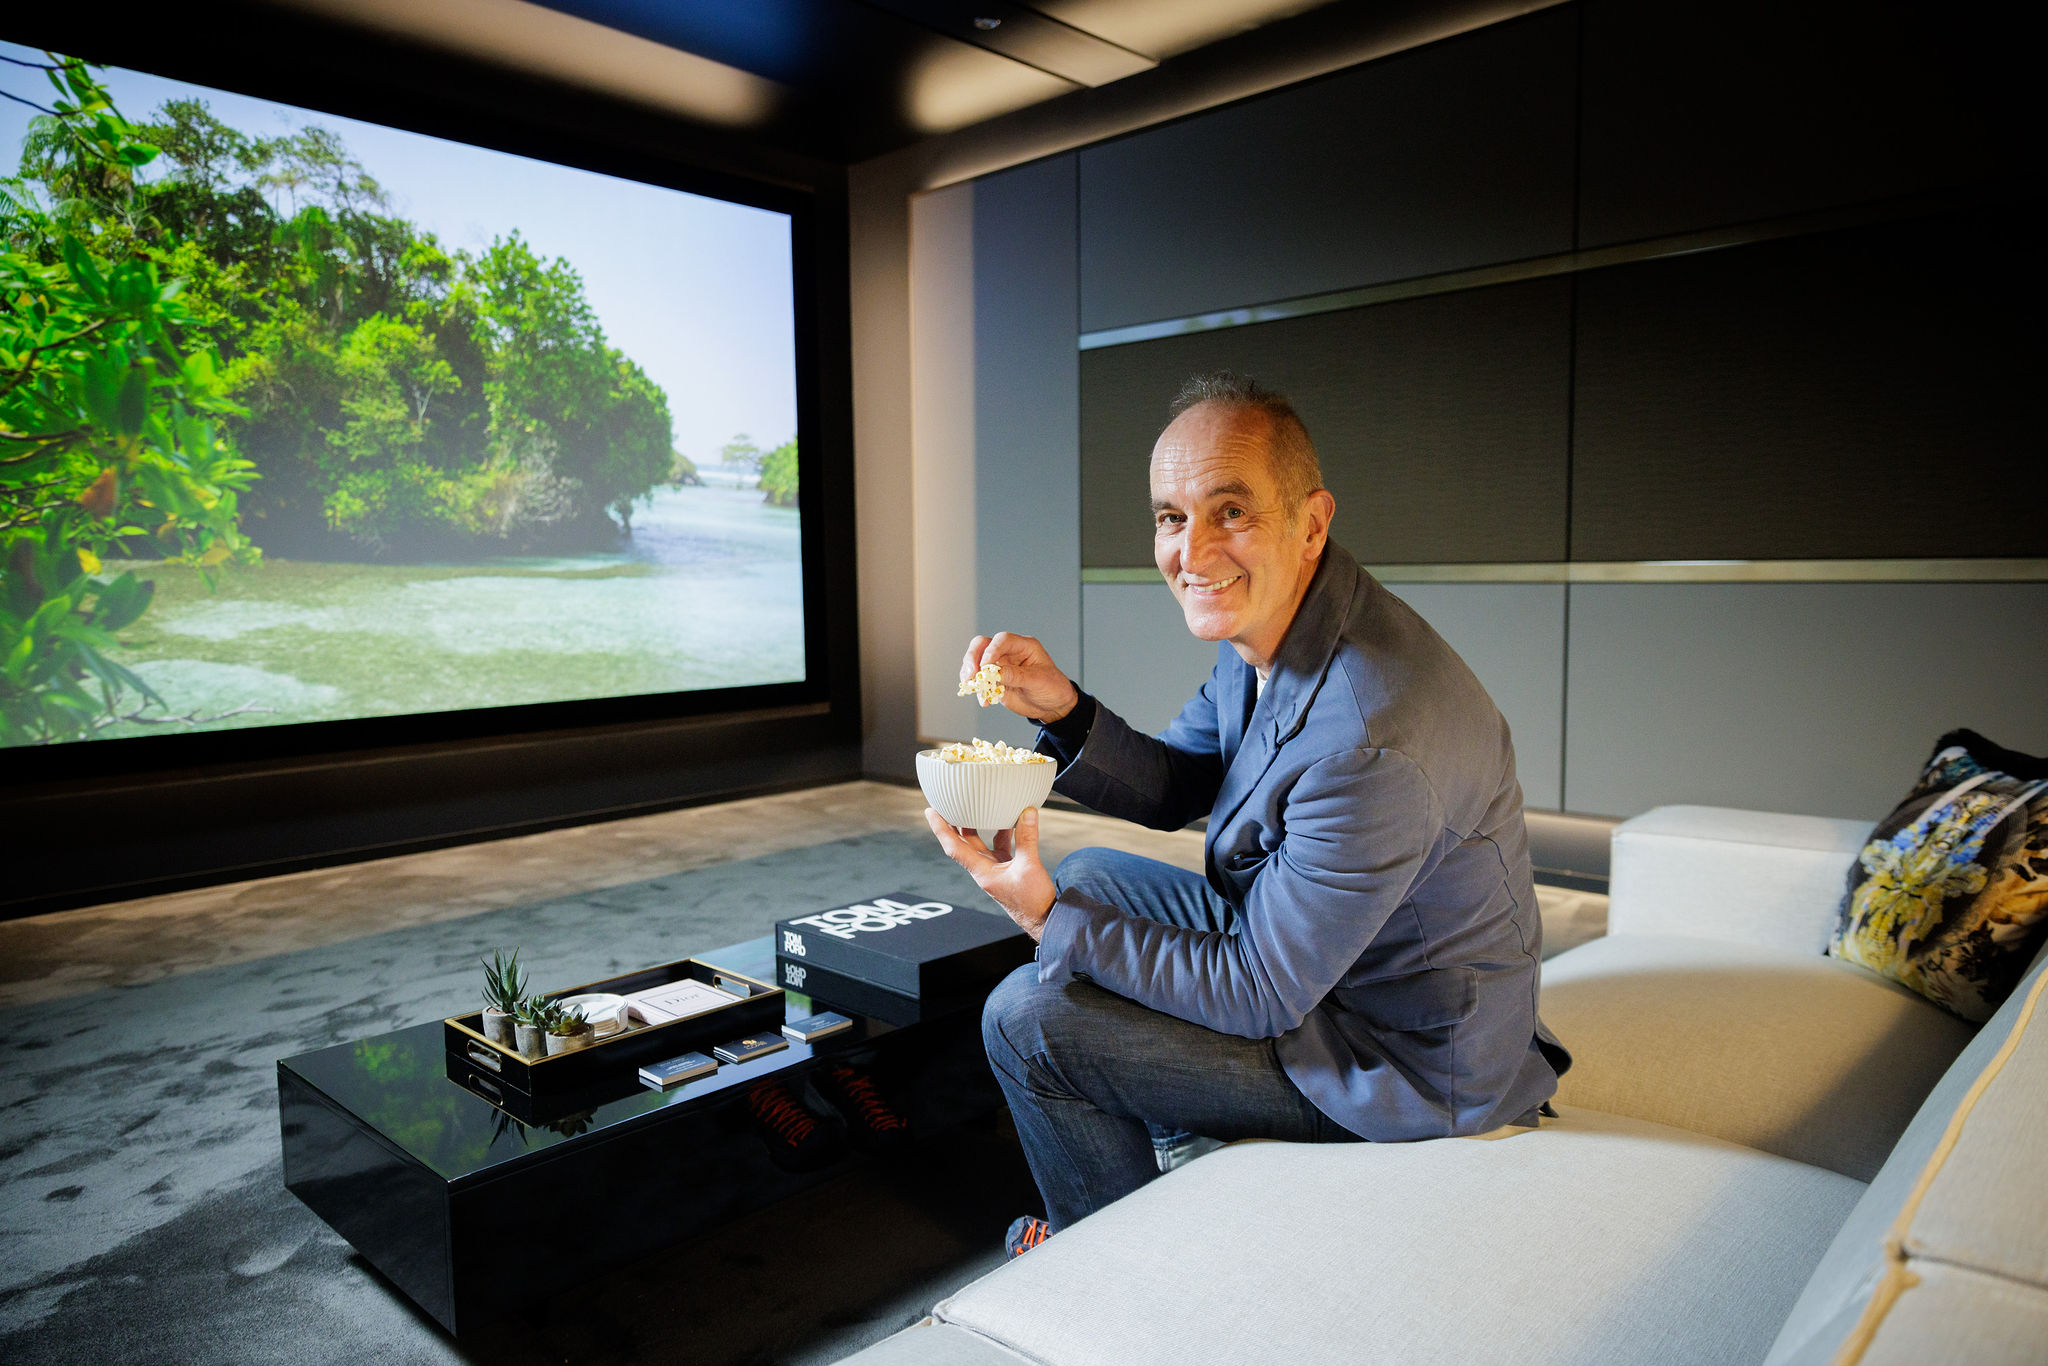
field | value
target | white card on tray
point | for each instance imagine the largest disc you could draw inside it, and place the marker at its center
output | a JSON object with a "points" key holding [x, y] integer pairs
{"points": [[676, 1001]]}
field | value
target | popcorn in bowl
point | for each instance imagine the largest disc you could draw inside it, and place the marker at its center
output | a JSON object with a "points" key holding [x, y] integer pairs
{"points": [[987, 684], [983, 752], [984, 786]]}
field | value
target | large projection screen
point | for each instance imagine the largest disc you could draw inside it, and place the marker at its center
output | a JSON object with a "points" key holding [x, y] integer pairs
{"points": [[309, 420]]}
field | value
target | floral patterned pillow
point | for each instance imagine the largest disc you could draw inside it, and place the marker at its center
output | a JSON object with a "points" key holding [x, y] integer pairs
{"points": [[1950, 897]]}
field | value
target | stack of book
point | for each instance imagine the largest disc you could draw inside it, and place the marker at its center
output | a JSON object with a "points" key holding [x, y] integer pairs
{"points": [[899, 958]]}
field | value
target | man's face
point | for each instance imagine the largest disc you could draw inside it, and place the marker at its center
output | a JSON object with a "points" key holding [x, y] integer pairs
{"points": [[1222, 534]]}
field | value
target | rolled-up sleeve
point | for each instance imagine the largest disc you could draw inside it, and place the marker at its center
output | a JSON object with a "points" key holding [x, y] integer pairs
{"points": [[1363, 827]]}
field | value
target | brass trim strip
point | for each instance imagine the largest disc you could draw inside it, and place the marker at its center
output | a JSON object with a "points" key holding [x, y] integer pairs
{"points": [[1538, 267], [1680, 571]]}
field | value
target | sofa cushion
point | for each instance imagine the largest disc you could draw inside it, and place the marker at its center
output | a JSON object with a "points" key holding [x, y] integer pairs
{"points": [[1965, 1188], [936, 1344], [1954, 1316], [1710, 872], [1595, 1239], [1950, 896], [1796, 1054]]}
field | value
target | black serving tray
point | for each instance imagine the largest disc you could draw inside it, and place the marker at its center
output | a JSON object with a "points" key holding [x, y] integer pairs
{"points": [[619, 1056]]}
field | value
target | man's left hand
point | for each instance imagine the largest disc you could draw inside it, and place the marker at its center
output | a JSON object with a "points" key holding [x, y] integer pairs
{"points": [[1011, 872]]}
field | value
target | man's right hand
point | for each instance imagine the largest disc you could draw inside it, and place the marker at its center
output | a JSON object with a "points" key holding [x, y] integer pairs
{"points": [[1033, 686]]}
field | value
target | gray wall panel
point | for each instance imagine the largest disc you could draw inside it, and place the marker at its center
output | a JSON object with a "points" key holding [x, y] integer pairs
{"points": [[1453, 155], [944, 381], [1138, 658], [1027, 418], [1861, 394], [1441, 421], [996, 431], [1512, 637], [1818, 698]]}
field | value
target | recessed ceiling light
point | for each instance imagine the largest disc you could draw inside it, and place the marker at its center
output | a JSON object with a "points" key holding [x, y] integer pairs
{"points": [[985, 24]]}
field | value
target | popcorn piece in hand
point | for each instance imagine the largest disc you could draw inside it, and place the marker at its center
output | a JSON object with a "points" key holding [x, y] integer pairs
{"points": [[986, 685], [984, 752]]}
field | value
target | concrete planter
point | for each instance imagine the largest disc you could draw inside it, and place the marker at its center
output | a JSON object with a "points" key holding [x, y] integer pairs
{"points": [[498, 1028], [569, 1043]]}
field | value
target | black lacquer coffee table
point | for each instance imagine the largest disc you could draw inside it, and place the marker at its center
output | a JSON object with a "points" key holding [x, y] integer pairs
{"points": [[449, 1195]]}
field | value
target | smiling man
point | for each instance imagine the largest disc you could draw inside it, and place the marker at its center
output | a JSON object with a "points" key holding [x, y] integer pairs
{"points": [[1360, 959]]}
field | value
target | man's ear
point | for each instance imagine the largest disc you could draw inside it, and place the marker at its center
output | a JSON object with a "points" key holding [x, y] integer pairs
{"points": [[1319, 508]]}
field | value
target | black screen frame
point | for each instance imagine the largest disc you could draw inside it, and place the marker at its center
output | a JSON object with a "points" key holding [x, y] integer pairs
{"points": [[274, 789]]}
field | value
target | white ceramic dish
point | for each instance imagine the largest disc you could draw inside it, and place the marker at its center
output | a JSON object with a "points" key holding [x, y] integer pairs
{"points": [[606, 1012], [982, 797]]}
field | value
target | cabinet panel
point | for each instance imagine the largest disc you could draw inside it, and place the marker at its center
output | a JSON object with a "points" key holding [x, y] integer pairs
{"points": [[1448, 156], [1138, 657], [1816, 698], [1441, 422], [1863, 394], [1511, 635], [1699, 114]]}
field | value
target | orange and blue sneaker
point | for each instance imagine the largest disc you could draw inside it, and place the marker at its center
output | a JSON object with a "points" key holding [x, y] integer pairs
{"points": [[1025, 1233], [875, 1124], [795, 1137]]}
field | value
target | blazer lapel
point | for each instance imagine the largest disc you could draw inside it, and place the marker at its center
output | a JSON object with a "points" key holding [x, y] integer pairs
{"points": [[1298, 670], [1236, 693]]}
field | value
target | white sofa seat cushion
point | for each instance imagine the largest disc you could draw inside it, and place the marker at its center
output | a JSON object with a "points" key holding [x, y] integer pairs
{"points": [[936, 1344], [1710, 872], [1595, 1239], [1797, 1054]]}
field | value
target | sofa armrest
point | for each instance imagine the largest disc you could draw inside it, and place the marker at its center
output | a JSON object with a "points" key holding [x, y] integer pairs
{"points": [[1753, 877]]}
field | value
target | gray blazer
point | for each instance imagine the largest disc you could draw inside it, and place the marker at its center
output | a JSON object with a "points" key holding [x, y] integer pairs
{"points": [[1366, 824]]}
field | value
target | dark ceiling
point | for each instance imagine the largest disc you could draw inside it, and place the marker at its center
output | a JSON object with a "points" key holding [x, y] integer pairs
{"points": [[756, 87], [850, 79]]}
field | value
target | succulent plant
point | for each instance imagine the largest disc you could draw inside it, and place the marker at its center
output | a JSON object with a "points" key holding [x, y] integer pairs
{"points": [[532, 1010], [565, 1020], [504, 983], [568, 1126]]}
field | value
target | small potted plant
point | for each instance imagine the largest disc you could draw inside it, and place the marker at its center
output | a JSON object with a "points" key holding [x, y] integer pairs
{"points": [[530, 1027], [567, 1029], [504, 989]]}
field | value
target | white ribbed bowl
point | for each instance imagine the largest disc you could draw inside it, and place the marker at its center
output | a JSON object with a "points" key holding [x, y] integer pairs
{"points": [[983, 797]]}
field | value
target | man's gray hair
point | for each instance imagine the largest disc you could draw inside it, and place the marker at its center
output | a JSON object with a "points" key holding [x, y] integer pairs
{"points": [[1295, 465]]}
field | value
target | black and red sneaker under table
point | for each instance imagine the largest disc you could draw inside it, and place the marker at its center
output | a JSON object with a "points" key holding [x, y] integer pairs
{"points": [[1025, 1233], [875, 1125], [796, 1138]]}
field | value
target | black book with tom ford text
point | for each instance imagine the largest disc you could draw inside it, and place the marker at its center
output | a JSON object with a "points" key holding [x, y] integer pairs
{"points": [[914, 945]]}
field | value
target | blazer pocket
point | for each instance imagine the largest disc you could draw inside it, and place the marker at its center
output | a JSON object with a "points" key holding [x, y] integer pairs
{"points": [[1246, 860], [1434, 999], [1249, 852]]}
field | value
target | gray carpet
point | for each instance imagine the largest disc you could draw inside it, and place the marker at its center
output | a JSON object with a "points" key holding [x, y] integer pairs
{"points": [[143, 1216]]}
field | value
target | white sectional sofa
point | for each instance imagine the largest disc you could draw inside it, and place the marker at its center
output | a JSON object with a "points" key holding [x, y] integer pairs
{"points": [[1763, 1155]]}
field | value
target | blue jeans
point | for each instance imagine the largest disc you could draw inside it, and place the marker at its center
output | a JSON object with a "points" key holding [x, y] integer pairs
{"points": [[1086, 1071]]}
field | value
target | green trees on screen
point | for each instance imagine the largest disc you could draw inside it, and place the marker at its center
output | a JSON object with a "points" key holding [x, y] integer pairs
{"points": [[214, 342], [112, 440], [396, 398], [778, 475]]}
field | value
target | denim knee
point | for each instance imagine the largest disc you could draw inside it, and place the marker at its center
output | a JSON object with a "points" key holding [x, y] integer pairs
{"points": [[1009, 1019], [1090, 870]]}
